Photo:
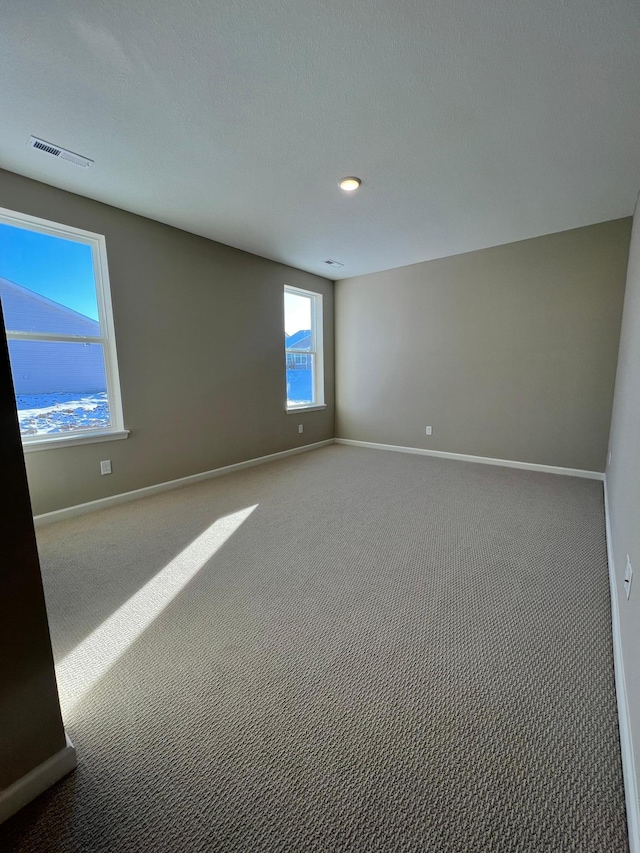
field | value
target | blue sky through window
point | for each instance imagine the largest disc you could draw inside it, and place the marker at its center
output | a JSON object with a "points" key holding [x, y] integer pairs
{"points": [[59, 269], [297, 313]]}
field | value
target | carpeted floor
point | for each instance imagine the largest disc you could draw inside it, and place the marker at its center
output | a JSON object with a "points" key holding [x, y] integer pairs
{"points": [[347, 650]]}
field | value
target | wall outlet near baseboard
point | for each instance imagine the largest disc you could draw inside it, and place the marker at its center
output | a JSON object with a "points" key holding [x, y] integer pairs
{"points": [[429, 430], [628, 577], [105, 467], [300, 428]]}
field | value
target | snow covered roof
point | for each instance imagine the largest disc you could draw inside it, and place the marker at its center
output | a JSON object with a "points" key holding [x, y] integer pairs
{"points": [[299, 340], [27, 311]]}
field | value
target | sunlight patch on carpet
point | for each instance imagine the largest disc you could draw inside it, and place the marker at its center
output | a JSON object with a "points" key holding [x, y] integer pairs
{"points": [[80, 670]]}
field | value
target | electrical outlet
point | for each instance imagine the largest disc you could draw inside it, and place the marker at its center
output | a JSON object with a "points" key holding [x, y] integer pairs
{"points": [[300, 428], [428, 430], [105, 467], [628, 577]]}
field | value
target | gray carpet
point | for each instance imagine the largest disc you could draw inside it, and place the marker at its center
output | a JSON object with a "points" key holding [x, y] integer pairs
{"points": [[388, 652]]}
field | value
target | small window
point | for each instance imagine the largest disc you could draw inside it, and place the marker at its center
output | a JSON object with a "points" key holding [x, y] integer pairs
{"points": [[54, 289], [303, 348]]}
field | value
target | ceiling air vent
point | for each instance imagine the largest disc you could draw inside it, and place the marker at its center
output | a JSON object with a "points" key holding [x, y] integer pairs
{"points": [[331, 263], [61, 153]]}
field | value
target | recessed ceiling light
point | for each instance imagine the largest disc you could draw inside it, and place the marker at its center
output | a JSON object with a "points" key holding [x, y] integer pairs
{"points": [[349, 184]]}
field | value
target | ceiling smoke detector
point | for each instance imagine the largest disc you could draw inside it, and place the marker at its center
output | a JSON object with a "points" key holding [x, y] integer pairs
{"points": [[57, 151], [331, 263]]}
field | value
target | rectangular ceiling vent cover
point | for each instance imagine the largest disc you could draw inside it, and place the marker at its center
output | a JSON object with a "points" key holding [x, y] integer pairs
{"points": [[331, 263], [61, 153]]}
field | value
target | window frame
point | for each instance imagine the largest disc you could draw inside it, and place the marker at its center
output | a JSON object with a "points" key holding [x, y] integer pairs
{"points": [[317, 350], [107, 337]]}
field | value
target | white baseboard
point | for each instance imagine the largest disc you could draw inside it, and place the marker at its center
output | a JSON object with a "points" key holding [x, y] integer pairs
{"points": [[486, 460], [124, 497], [626, 743], [36, 782]]}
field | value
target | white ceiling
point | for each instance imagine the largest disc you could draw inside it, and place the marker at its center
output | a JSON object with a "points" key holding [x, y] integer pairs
{"points": [[471, 122]]}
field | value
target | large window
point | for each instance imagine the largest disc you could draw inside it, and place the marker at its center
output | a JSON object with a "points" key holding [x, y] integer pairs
{"points": [[54, 289], [303, 349]]}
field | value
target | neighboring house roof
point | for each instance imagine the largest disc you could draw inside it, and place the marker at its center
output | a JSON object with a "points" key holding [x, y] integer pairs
{"points": [[299, 340], [27, 311]]}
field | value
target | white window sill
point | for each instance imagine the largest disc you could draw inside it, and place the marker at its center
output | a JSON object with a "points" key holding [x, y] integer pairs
{"points": [[71, 440], [295, 409]]}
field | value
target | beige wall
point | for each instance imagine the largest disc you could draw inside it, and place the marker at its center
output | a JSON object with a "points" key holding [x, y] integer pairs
{"points": [[508, 352], [199, 331], [623, 485]]}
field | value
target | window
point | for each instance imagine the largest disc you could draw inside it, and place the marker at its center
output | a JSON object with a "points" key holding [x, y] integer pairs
{"points": [[54, 289], [303, 349]]}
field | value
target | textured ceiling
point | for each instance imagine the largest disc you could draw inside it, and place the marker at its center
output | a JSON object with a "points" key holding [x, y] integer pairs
{"points": [[470, 123]]}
